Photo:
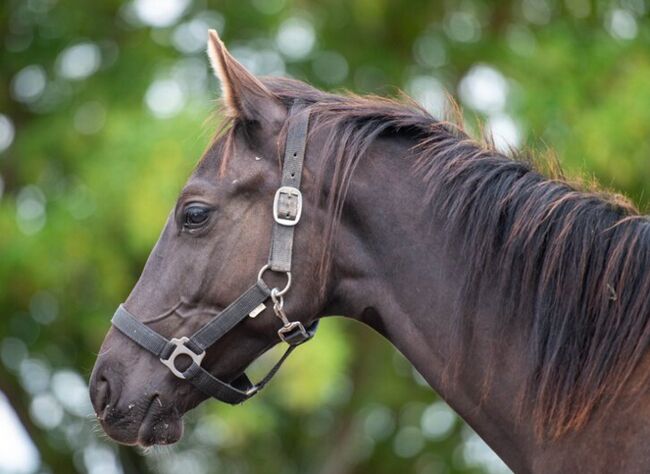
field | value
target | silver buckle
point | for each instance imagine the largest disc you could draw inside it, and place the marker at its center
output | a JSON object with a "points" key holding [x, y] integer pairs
{"points": [[287, 193], [288, 329], [181, 349]]}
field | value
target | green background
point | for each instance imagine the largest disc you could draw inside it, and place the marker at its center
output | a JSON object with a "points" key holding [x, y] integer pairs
{"points": [[105, 109]]}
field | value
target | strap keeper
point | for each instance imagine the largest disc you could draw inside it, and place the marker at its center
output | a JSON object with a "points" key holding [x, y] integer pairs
{"points": [[287, 206]]}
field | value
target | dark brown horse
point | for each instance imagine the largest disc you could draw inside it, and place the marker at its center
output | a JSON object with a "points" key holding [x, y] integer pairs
{"points": [[524, 302]]}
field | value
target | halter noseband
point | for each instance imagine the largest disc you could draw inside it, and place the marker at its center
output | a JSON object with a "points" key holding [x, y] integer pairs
{"points": [[287, 209]]}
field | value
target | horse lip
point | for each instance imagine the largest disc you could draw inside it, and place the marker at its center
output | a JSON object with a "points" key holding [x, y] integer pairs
{"points": [[159, 425]]}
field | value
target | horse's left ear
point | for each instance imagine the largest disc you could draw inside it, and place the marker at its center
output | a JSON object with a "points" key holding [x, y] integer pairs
{"points": [[244, 95]]}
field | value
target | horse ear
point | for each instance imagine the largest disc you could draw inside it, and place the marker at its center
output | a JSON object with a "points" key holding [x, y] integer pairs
{"points": [[244, 95]]}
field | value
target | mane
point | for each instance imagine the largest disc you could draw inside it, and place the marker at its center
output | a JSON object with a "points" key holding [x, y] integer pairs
{"points": [[576, 262]]}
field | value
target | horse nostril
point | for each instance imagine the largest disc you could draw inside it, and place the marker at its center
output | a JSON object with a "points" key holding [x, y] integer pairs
{"points": [[101, 393]]}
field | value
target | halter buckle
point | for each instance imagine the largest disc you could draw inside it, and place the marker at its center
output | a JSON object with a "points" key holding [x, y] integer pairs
{"points": [[287, 333], [181, 349], [287, 206]]}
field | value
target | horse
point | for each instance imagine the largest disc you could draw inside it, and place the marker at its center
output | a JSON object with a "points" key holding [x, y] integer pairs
{"points": [[523, 300]]}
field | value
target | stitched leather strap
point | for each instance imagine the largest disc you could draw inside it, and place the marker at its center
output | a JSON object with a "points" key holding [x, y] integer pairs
{"points": [[140, 333], [237, 311], [294, 154]]}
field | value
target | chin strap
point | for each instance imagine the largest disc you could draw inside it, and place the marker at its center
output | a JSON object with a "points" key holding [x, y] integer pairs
{"points": [[287, 210]]}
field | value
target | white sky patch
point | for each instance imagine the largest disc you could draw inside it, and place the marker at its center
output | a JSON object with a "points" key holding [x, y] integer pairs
{"points": [[34, 375], [505, 132], [79, 61], [159, 13], [30, 209], [437, 421], [18, 454], [29, 83], [478, 454], [260, 61], [429, 93], [46, 411], [463, 27], [537, 11], [296, 38], [165, 98], [484, 89], [192, 75], [521, 40], [408, 442], [7, 132], [72, 392], [189, 37], [621, 24], [430, 51], [378, 422], [100, 459], [13, 352]]}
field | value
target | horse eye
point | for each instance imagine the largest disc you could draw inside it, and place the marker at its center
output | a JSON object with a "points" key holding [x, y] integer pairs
{"points": [[195, 216]]}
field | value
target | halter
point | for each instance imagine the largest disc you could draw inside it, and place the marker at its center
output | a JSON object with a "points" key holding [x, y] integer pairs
{"points": [[287, 209]]}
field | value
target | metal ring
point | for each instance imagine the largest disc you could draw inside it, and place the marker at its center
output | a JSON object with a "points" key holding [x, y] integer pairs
{"points": [[284, 290]]}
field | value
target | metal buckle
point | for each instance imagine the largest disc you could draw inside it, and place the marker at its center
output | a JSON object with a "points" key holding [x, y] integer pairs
{"points": [[292, 211], [285, 331], [181, 349]]}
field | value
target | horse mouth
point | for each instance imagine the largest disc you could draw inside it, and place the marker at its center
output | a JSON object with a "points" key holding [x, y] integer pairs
{"points": [[160, 425]]}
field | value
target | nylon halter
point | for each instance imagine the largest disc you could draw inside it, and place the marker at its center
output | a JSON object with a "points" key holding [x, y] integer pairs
{"points": [[287, 210]]}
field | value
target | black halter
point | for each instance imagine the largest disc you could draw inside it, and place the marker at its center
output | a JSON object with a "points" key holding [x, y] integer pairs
{"points": [[287, 209]]}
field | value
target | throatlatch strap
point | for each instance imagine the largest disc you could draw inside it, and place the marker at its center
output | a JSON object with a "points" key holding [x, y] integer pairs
{"points": [[294, 154], [232, 393], [241, 389]]}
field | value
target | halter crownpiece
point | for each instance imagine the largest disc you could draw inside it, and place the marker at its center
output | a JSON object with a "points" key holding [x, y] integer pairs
{"points": [[287, 210]]}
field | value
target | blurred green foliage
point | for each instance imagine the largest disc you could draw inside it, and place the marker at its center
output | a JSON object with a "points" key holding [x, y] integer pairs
{"points": [[103, 109]]}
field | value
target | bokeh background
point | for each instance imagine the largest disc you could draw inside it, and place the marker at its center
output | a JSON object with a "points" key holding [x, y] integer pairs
{"points": [[103, 108]]}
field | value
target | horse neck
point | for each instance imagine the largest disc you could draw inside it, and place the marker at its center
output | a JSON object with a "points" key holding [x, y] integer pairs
{"points": [[393, 270]]}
